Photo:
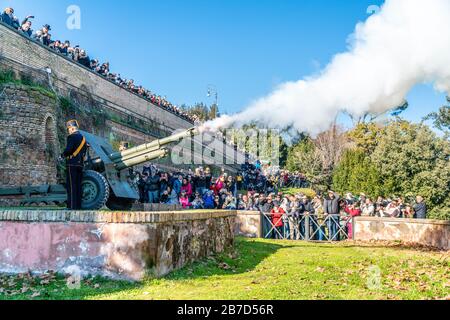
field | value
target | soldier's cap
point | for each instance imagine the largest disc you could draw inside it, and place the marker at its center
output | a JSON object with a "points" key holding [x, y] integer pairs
{"points": [[72, 124], [46, 26]]}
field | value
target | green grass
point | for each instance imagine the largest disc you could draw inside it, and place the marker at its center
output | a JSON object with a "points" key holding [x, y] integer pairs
{"points": [[263, 269]]}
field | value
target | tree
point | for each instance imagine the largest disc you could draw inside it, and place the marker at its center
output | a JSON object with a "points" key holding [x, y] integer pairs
{"points": [[305, 158], [317, 158], [357, 174], [365, 136], [413, 160], [441, 119], [202, 111]]}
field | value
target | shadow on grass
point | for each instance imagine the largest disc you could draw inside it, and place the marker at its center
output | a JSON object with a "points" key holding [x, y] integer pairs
{"points": [[244, 257]]}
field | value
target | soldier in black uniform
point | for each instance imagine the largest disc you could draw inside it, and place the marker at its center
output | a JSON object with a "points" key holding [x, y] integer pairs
{"points": [[74, 155]]}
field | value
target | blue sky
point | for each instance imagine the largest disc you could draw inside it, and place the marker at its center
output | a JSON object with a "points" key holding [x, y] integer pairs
{"points": [[177, 48]]}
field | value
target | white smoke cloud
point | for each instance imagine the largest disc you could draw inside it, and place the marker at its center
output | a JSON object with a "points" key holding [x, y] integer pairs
{"points": [[406, 43]]}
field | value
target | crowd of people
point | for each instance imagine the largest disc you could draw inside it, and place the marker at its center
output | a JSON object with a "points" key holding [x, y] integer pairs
{"points": [[200, 190], [80, 55], [329, 216], [258, 188], [192, 190]]}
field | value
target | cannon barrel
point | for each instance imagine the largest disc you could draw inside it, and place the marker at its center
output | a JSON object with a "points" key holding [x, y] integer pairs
{"points": [[148, 152], [147, 157]]}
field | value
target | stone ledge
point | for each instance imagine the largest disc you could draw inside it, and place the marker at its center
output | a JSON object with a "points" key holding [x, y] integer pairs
{"points": [[248, 213], [110, 217], [399, 220]]}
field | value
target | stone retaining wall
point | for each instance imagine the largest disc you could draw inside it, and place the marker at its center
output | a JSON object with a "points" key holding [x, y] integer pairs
{"points": [[29, 143], [248, 224], [433, 233], [116, 245]]}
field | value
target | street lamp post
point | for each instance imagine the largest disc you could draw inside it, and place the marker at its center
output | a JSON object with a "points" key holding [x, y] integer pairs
{"points": [[213, 93]]}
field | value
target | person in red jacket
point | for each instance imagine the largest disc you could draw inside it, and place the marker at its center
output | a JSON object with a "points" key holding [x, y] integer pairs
{"points": [[187, 188], [277, 220], [219, 185], [353, 211]]}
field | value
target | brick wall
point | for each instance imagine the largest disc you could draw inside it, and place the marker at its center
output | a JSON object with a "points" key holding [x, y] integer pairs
{"points": [[25, 113], [67, 75], [28, 144]]}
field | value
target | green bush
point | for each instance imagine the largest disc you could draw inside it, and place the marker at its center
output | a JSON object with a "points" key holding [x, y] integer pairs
{"points": [[440, 213], [356, 174], [7, 76]]}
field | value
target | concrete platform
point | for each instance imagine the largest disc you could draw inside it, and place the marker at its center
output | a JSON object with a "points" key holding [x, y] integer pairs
{"points": [[116, 245]]}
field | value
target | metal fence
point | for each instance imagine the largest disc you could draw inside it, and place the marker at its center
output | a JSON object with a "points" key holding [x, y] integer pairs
{"points": [[309, 227]]}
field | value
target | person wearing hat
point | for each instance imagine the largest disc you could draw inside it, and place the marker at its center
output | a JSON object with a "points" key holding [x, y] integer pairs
{"points": [[74, 155], [331, 210]]}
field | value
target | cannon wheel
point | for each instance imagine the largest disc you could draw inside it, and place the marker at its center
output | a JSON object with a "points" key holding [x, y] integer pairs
{"points": [[95, 191], [119, 204]]}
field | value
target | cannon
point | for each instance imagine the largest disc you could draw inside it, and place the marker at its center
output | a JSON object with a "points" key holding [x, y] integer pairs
{"points": [[106, 180]]}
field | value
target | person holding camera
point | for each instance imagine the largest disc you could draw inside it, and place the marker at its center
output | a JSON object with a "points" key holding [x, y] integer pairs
{"points": [[25, 27], [83, 59], [43, 36]]}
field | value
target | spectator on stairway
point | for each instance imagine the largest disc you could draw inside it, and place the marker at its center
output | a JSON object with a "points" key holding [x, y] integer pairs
{"points": [[197, 203], [153, 187], [186, 187], [177, 184], [184, 200], [173, 197], [164, 196], [163, 182], [208, 200]]}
